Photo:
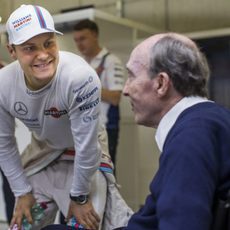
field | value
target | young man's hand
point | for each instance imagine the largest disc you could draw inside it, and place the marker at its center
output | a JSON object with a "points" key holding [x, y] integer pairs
{"points": [[85, 215], [23, 208]]}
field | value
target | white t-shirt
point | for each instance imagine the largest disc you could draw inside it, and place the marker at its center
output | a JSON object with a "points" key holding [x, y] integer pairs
{"points": [[64, 114], [112, 78]]}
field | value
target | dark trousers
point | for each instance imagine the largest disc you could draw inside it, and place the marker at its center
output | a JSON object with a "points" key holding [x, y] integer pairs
{"points": [[113, 135], [8, 197], [63, 227], [57, 227]]}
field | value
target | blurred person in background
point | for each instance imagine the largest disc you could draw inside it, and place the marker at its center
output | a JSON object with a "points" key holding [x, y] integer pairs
{"points": [[111, 73]]}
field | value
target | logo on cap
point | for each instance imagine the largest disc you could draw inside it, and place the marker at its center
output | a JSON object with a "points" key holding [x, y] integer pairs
{"points": [[21, 22]]}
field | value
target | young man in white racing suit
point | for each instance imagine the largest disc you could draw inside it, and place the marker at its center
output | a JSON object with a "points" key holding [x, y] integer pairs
{"points": [[56, 95]]}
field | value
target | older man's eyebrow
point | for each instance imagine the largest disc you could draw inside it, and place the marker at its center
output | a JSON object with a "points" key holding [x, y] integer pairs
{"points": [[137, 66]]}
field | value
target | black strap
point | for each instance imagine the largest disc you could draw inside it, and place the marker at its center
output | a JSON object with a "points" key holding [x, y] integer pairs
{"points": [[100, 67]]}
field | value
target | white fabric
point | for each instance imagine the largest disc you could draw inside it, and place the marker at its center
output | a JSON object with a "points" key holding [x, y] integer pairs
{"points": [[117, 212], [112, 77], [63, 114], [51, 185], [171, 116]]}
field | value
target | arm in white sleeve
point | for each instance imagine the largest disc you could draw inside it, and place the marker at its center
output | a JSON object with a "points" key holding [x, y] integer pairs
{"points": [[84, 116], [10, 161]]}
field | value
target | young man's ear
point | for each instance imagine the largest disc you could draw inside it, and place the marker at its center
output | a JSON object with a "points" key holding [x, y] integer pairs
{"points": [[12, 52]]}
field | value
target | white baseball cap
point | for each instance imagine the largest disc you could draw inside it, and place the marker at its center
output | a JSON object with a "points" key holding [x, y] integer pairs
{"points": [[28, 21]]}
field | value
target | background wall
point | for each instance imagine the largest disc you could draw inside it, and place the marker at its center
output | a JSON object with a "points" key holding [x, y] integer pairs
{"points": [[176, 15]]}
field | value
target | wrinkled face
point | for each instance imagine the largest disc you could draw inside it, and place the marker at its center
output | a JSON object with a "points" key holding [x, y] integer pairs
{"points": [[38, 58], [141, 90], [86, 41]]}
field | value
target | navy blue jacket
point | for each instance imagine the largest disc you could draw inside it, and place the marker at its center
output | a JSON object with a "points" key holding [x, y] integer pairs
{"points": [[194, 167]]}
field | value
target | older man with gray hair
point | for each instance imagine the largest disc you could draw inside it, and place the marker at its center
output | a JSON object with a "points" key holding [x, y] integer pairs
{"points": [[167, 87]]}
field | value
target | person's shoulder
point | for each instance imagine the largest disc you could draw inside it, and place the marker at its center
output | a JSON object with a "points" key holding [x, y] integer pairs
{"points": [[73, 68], [71, 62], [9, 75], [10, 70], [70, 58], [113, 56], [205, 114], [113, 60], [207, 108], [110, 55]]}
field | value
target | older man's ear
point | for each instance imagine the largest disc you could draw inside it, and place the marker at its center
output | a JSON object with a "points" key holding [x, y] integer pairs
{"points": [[162, 83]]}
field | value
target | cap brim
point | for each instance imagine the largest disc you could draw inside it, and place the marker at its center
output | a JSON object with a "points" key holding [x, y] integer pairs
{"points": [[45, 30]]}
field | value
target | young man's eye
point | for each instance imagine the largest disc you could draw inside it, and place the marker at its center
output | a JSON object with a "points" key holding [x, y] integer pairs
{"points": [[28, 48], [48, 44]]}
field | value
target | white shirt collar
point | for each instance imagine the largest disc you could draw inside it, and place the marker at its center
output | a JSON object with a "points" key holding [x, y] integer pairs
{"points": [[171, 116]]}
